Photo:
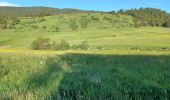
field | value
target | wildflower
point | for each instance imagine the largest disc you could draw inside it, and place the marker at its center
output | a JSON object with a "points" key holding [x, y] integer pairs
{"points": [[41, 62]]}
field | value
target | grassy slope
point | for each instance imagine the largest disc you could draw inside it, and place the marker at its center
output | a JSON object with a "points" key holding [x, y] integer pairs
{"points": [[98, 34]]}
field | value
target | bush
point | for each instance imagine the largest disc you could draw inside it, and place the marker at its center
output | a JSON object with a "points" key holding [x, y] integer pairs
{"points": [[3, 26], [44, 27], [41, 44], [84, 46], [63, 45], [84, 22], [73, 25], [34, 26], [57, 29]]}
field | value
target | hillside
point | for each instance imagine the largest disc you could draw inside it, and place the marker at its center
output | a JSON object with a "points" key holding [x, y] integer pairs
{"points": [[35, 11], [104, 31]]}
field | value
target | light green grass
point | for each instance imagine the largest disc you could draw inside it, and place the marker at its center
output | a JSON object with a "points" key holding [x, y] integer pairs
{"points": [[108, 38]]}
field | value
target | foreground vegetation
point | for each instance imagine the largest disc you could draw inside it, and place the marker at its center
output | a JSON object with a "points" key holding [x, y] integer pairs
{"points": [[84, 76]]}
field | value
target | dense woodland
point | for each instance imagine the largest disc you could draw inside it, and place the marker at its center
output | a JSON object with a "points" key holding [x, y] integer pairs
{"points": [[148, 17]]}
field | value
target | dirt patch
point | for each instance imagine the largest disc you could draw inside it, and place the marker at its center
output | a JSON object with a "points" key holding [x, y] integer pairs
{"points": [[5, 46]]}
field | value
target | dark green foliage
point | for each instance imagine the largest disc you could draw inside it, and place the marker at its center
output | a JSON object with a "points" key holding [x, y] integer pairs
{"points": [[34, 26], [107, 18], [44, 27], [41, 44], [57, 29], [84, 22], [147, 16], [95, 18], [121, 11], [167, 24], [84, 45], [73, 25], [3, 70], [8, 22]]}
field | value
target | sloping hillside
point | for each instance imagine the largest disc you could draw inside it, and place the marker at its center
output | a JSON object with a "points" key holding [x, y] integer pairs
{"points": [[105, 31], [34, 11]]}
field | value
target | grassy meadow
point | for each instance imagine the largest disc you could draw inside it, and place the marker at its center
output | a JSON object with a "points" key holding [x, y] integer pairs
{"points": [[131, 64], [85, 76], [100, 33]]}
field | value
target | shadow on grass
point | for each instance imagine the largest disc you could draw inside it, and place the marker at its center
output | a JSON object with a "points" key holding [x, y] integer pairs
{"points": [[48, 77], [115, 77]]}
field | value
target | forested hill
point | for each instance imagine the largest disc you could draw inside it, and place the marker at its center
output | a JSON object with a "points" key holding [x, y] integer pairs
{"points": [[148, 16], [37, 11]]}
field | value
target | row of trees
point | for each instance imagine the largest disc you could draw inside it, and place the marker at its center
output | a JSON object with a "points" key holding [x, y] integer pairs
{"points": [[148, 17], [45, 44]]}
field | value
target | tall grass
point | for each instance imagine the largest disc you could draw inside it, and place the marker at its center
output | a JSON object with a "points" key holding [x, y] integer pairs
{"points": [[85, 76]]}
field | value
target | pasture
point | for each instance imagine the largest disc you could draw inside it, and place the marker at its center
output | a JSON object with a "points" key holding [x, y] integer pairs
{"points": [[122, 63], [99, 34]]}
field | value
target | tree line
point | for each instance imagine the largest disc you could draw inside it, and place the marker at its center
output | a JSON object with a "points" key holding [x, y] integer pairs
{"points": [[147, 16]]}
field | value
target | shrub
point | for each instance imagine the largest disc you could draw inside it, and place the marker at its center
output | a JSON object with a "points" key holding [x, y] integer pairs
{"points": [[84, 22], [41, 44], [84, 46], [3, 26], [73, 25], [95, 18], [99, 48], [57, 29], [113, 35], [63, 45], [44, 27], [34, 26]]}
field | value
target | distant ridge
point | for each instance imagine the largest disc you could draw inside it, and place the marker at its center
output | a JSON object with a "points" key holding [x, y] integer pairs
{"points": [[33, 11]]}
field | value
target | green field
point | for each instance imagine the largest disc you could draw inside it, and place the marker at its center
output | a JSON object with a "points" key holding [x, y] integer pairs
{"points": [[85, 76], [98, 33], [131, 64]]}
